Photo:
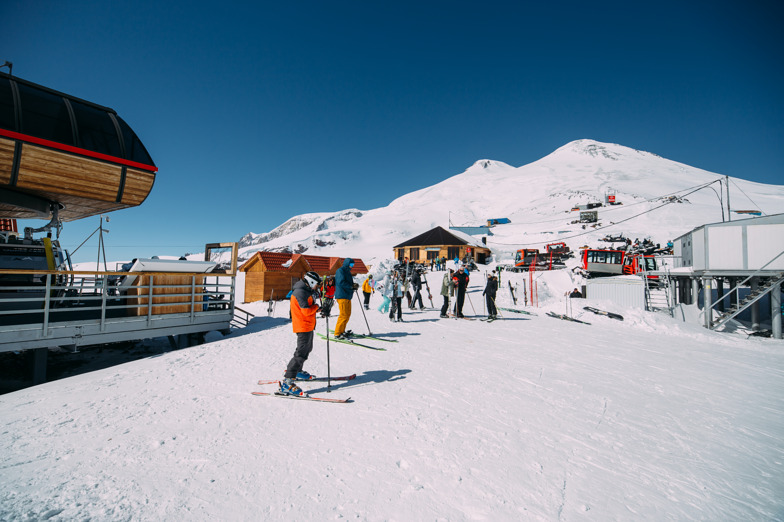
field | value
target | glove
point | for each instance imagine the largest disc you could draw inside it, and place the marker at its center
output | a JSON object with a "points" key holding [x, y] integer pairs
{"points": [[356, 285], [326, 307]]}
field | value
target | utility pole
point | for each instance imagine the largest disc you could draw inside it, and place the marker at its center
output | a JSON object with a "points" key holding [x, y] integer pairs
{"points": [[729, 212]]}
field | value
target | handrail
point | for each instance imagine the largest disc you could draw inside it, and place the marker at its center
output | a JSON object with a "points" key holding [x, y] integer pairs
{"points": [[99, 272], [737, 286], [50, 297]]}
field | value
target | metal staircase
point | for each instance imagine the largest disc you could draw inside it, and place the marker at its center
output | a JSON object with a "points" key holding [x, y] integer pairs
{"points": [[241, 318], [749, 300], [657, 297]]}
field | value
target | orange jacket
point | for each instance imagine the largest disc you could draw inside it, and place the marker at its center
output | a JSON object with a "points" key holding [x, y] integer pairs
{"points": [[303, 308]]}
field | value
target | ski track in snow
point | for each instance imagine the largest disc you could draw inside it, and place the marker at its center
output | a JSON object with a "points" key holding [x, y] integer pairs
{"points": [[535, 419]]}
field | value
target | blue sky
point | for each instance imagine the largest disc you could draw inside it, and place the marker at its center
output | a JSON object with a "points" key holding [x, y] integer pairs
{"points": [[258, 111]]}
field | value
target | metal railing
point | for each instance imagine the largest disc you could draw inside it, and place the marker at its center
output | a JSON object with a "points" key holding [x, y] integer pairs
{"points": [[749, 300], [41, 299]]}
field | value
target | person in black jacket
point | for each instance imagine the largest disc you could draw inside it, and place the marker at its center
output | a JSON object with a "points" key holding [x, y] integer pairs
{"points": [[461, 284], [416, 284], [490, 291]]}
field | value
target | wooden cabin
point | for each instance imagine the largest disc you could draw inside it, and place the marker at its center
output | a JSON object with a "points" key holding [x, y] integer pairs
{"points": [[271, 275], [60, 152], [439, 242]]}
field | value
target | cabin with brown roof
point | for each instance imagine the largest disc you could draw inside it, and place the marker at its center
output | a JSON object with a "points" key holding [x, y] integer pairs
{"points": [[439, 243], [271, 275]]}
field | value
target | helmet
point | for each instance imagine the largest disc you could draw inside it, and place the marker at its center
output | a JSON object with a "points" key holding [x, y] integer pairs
{"points": [[312, 279]]}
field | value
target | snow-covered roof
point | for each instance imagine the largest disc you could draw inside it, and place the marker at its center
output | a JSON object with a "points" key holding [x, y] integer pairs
{"points": [[441, 236]]}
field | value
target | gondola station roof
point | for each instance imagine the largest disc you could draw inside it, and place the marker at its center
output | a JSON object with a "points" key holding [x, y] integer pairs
{"points": [[57, 150]]}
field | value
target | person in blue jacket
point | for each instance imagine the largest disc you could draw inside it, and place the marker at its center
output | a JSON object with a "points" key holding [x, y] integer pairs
{"points": [[344, 289]]}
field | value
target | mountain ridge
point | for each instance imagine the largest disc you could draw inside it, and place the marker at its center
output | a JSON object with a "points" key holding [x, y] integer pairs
{"points": [[535, 197]]}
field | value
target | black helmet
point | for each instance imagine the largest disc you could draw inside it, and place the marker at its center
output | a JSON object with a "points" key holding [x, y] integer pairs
{"points": [[312, 279]]}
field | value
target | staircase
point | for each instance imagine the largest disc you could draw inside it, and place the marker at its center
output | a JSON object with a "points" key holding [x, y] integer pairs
{"points": [[241, 318], [749, 300], [657, 297]]}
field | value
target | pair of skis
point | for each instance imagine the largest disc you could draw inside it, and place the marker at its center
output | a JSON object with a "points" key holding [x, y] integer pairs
{"points": [[307, 397], [605, 313], [366, 336], [354, 343], [565, 318], [516, 311]]}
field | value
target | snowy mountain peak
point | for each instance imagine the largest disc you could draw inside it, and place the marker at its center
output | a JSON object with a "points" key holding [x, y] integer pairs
{"points": [[487, 164], [599, 150]]}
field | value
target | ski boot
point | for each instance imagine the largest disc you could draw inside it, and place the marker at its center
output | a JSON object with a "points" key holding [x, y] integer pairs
{"points": [[304, 376], [287, 387]]}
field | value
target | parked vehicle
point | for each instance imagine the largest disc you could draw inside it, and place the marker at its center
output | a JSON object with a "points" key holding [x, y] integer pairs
{"points": [[597, 263]]}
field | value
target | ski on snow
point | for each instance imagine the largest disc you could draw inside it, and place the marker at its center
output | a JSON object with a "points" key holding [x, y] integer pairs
{"points": [[348, 341], [317, 379], [603, 312], [516, 311], [367, 336], [566, 318], [301, 398]]}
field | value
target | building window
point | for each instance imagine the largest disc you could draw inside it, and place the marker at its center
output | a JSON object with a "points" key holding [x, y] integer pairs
{"points": [[413, 254], [453, 252]]}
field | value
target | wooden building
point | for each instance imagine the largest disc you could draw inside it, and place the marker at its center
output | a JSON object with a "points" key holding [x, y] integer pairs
{"points": [[271, 275], [439, 242]]}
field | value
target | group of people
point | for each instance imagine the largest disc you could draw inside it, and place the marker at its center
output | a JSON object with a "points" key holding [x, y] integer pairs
{"points": [[438, 264], [312, 295]]}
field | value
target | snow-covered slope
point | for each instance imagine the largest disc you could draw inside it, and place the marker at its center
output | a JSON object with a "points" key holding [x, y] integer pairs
{"points": [[528, 418], [538, 199]]}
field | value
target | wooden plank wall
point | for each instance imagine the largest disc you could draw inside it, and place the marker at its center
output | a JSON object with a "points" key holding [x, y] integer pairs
{"points": [[258, 285], [85, 186], [160, 295], [6, 160]]}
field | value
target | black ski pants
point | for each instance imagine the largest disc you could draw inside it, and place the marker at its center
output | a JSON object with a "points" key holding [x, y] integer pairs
{"points": [[304, 347], [417, 298], [397, 306], [491, 308], [367, 299], [460, 301], [445, 308]]}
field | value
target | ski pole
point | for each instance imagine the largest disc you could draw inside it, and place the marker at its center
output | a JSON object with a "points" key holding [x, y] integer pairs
{"points": [[356, 292], [496, 307], [329, 381], [470, 302]]}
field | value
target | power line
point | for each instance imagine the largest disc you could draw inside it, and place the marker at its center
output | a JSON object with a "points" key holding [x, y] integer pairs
{"points": [[747, 197], [623, 207], [615, 223]]}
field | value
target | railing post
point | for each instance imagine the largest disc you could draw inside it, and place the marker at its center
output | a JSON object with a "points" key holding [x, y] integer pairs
{"points": [[775, 311], [103, 303], [47, 302], [231, 300]]}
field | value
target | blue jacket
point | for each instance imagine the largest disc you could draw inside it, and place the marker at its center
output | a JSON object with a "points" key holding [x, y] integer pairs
{"points": [[344, 282]]}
